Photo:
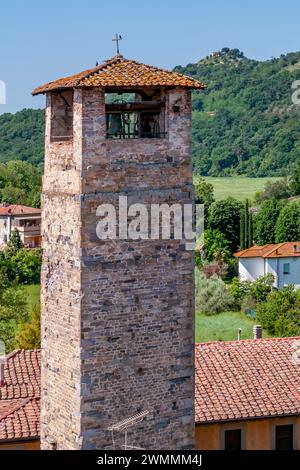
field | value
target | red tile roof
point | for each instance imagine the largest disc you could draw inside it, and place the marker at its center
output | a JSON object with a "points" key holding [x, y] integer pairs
{"points": [[18, 210], [119, 72], [20, 396], [234, 380], [279, 250], [247, 379]]}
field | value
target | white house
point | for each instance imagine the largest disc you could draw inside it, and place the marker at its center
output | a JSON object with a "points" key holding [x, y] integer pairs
{"points": [[27, 220], [281, 259]]}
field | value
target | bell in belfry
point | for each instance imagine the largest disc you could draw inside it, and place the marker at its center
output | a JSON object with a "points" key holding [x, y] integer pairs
{"points": [[115, 124]]}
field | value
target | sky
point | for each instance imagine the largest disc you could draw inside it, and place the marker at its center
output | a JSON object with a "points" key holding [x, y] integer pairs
{"points": [[42, 41]]}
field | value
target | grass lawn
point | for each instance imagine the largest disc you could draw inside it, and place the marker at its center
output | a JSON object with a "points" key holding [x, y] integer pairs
{"points": [[32, 294], [224, 327], [239, 187]]}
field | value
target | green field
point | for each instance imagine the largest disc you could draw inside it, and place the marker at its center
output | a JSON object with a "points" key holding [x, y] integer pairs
{"points": [[224, 327], [220, 327], [239, 187], [32, 293]]}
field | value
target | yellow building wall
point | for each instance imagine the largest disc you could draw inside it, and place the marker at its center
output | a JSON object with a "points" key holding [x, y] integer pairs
{"points": [[20, 445], [257, 434]]}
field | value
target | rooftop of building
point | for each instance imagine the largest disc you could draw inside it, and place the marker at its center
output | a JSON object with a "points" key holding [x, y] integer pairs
{"points": [[247, 379], [276, 250], [119, 72], [235, 380], [18, 210], [20, 396]]}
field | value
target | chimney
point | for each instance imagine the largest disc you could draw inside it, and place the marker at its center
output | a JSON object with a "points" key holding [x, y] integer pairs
{"points": [[239, 333], [257, 332]]}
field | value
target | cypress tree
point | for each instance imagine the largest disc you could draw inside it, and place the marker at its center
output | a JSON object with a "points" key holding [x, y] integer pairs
{"points": [[250, 231], [246, 209], [242, 229]]}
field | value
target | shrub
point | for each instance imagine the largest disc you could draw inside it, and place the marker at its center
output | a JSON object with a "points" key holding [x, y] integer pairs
{"points": [[246, 294], [212, 295], [217, 268]]}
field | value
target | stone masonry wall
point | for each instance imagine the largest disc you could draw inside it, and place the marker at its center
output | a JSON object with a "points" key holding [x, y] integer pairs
{"points": [[118, 325]]}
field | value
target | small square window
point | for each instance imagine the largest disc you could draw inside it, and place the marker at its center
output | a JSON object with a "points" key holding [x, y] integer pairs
{"points": [[284, 437], [286, 268], [233, 439]]}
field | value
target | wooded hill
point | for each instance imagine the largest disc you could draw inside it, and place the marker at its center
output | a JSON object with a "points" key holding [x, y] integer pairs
{"points": [[243, 123]]}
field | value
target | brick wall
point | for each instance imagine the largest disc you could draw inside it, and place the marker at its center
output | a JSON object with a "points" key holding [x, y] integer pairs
{"points": [[118, 316]]}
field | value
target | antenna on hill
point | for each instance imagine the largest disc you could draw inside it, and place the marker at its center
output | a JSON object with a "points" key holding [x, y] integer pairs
{"points": [[124, 425]]}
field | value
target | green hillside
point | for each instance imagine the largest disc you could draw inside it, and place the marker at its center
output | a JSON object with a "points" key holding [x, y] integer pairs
{"points": [[22, 136], [243, 123]]}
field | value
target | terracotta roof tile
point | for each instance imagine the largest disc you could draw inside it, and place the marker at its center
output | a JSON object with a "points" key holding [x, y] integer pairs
{"points": [[234, 380], [247, 379], [22, 422], [122, 73], [279, 250], [20, 396], [17, 209]]}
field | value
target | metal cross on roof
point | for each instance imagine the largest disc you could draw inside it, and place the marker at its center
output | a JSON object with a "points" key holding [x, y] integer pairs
{"points": [[117, 39]]}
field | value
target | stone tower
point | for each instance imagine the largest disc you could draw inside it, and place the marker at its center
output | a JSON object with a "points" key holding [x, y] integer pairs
{"points": [[117, 315]]}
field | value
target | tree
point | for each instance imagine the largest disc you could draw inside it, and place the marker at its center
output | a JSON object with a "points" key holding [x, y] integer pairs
{"points": [[250, 229], [28, 333], [280, 313], [274, 190], [13, 310], [26, 266], [265, 222], [15, 243], [246, 228], [217, 248], [20, 183], [295, 180], [225, 216], [204, 193], [22, 136], [288, 223], [242, 231]]}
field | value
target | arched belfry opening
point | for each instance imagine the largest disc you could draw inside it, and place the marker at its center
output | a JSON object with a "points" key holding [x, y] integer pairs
{"points": [[135, 115]]}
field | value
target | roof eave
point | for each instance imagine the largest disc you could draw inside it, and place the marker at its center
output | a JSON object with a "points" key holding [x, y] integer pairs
{"points": [[243, 418], [43, 90]]}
